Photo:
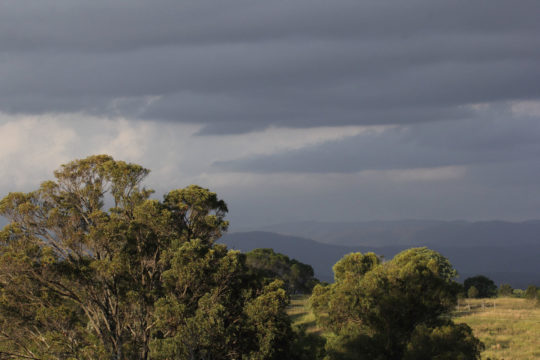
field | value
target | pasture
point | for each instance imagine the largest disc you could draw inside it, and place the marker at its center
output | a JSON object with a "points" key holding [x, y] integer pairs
{"points": [[508, 327]]}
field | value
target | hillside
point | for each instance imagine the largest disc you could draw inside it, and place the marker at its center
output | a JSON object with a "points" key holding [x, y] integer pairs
{"points": [[415, 232], [517, 265]]}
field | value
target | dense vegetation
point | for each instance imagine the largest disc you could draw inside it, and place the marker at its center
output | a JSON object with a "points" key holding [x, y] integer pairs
{"points": [[141, 280], [480, 286], [91, 267], [298, 277], [393, 310]]}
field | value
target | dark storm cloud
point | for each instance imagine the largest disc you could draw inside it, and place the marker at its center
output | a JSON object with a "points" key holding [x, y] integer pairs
{"points": [[494, 136], [236, 66]]}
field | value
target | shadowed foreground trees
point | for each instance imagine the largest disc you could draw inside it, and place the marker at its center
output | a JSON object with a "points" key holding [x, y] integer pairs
{"points": [[393, 310], [142, 279]]}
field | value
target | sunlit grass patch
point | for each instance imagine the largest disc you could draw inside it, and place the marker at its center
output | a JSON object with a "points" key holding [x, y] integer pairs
{"points": [[301, 315], [509, 327]]}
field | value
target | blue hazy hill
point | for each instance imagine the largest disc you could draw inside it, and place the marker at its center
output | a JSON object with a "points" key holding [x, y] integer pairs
{"points": [[513, 264]]}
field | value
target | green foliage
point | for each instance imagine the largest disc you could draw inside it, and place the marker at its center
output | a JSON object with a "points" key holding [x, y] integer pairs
{"points": [[485, 286], [473, 292], [307, 346], [320, 302], [519, 293], [270, 324], [354, 265], [298, 277], [506, 290], [393, 310], [531, 292], [445, 342], [141, 279]]}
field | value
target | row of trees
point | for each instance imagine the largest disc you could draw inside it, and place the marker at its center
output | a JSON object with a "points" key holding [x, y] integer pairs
{"points": [[91, 267], [532, 292], [481, 286]]}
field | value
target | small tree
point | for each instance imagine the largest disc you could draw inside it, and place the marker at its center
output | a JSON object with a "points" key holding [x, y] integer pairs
{"points": [[531, 292], [473, 292], [485, 286], [506, 290]]}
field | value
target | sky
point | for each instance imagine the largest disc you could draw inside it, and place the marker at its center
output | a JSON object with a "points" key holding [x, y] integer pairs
{"points": [[290, 110]]}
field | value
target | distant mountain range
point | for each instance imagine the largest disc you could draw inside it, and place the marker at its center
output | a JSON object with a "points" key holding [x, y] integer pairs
{"points": [[504, 251], [321, 256], [413, 232]]}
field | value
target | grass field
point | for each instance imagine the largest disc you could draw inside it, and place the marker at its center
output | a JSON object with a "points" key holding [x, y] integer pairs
{"points": [[509, 327]]}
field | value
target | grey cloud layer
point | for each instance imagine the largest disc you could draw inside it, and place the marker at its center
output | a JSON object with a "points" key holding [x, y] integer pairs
{"points": [[116, 25], [494, 136], [236, 66]]}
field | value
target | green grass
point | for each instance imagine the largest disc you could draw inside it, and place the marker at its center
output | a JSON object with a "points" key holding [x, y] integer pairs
{"points": [[509, 327]]}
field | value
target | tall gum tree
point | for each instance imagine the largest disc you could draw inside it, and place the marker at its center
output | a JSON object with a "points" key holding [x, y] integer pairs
{"points": [[142, 279]]}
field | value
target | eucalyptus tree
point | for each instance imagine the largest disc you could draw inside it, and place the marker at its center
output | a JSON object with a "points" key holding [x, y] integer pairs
{"points": [[92, 267]]}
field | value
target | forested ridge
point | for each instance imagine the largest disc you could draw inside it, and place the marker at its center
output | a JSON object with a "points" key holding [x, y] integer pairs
{"points": [[93, 267]]}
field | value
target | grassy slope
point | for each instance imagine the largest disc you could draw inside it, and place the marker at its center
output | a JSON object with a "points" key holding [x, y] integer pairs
{"points": [[510, 329]]}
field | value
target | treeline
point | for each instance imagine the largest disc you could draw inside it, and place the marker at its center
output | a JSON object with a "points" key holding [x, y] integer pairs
{"points": [[144, 279], [481, 286]]}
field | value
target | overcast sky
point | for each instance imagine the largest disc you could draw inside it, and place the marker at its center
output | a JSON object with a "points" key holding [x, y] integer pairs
{"points": [[288, 109]]}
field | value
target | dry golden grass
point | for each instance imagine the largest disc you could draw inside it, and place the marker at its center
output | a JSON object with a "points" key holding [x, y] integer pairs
{"points": [[509, 327]]}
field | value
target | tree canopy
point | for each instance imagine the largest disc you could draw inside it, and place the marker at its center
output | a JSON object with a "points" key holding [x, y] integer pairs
{"points": [[485, 286], [393, 310], [505, 290], [532, 292], [91, 267], [298, 277]]}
